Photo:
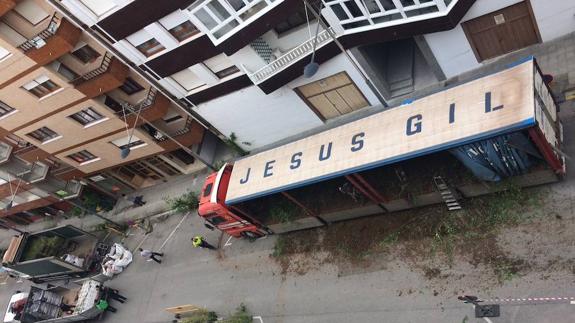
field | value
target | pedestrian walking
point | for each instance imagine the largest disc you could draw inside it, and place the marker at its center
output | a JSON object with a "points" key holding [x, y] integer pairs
{"points": [[113, 294], [199, 242], [103, 305], [151, 255], [469, 299]]}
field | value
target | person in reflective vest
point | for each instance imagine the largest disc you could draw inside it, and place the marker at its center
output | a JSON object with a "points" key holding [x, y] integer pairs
{"points": [[199, 242]]}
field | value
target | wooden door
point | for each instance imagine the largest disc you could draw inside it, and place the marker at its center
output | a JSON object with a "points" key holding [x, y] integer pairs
{"points": [[502, 31], [333, 96]]}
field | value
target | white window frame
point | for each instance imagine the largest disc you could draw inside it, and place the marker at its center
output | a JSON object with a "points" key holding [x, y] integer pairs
{"points": [[233, 15], [121, 142], [37, 82]]}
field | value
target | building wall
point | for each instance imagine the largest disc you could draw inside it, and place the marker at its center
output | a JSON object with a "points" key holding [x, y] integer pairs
{"points": [[72, 132], [262, 119], [30, 107], [109, 154], [453, 51]]}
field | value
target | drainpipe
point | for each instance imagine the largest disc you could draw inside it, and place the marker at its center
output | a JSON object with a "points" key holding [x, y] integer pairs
{"points": [[102, 42]]}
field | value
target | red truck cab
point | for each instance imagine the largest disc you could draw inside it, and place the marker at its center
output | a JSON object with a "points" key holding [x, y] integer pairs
{"points": [[213, 209]]}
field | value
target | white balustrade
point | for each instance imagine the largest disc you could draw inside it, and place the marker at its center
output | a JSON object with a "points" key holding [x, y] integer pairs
{"points": [[290, 57]]}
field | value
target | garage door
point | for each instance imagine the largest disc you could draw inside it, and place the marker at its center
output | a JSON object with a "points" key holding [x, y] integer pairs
{"points": [[502, 31]]}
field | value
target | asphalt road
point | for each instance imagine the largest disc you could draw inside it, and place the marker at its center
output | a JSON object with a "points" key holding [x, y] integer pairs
{"points": [[244, 273]]}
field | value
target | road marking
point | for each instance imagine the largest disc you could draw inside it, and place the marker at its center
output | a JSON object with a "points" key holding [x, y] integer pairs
{"points": [[572, 302], [531, 299], [174, 231], [140, 244], [228, 243], [258, 318]]}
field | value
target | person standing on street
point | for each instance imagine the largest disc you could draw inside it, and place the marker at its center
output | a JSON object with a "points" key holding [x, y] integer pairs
{"points": [[151, 255], [199, 242]]}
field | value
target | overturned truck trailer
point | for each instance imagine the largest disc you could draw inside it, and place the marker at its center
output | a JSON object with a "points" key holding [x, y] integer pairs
{"points": [[467, 140]]}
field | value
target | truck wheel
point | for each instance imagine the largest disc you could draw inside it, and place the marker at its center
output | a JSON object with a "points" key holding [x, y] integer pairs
{"points": [[252, 236]]}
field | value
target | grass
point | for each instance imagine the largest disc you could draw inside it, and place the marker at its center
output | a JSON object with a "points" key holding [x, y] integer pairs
{"points": [[283, 212], [390, 239], [279, 247]]}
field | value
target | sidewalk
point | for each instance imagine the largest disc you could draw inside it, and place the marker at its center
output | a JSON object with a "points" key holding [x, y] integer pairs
{"points": [[155, 197]]}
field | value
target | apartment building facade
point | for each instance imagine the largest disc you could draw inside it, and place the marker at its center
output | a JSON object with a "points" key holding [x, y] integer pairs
{"points": [[68, 108], [239, 63]]}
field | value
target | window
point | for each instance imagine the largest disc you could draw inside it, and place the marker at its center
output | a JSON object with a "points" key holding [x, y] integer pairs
{"points": [[43, 134], [332, 96], [86, 54], [4, 53], [208, 190], [31, 11], [82, 157], [221, 66], [86, 116], [215, 220], [41, 86], [99, 7], [130, 86], [5, 109], [113, 104], [150, 47], [64, 70], [295, 20], [128, 142], [188, 80], [184, 31]]}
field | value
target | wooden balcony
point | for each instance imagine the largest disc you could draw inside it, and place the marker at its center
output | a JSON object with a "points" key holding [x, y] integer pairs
{"points": [[7, 5], [191, 134], [110, 75], [153, 108], [59, 38]]}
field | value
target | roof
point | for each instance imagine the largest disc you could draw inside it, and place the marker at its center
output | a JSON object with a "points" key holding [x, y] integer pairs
{"points": [[486, 107]]}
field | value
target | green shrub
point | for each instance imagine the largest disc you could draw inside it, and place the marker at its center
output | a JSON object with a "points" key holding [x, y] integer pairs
{"points": [[283, 212], [187, 202]]}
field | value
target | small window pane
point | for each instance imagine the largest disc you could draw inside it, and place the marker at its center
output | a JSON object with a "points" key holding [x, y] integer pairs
{"points": [[5, 109], [41, 87], [43, 134], [218, 10], [206, 19], [86, 116], [150, 47], [184, 31], [82, 156], [86, 54], [130, 86]]}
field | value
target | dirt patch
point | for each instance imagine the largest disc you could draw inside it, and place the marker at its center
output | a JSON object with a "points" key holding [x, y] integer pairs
{"points": [[429, 240]]}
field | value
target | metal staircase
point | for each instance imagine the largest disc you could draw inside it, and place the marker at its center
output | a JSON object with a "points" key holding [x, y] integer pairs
{"points": [[446, 194]]}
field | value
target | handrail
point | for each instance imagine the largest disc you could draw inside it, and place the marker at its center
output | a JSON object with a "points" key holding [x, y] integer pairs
{"points": [[161, 137], [104, 66], [48, 32], [290, 57], [146, 103]]}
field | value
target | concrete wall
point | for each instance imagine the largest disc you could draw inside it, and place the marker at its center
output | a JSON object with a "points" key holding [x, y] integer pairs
{"points": [[262, 119], [453, 51]]}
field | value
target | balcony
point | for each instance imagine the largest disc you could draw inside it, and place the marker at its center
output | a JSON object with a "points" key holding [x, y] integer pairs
{"points": [[5, 152], [7, 5], [190, 134], [350, 16], [29, 173], [110, 75], [222, 19], [59, 38], [152, 108], [289, 58], [61, 189]]}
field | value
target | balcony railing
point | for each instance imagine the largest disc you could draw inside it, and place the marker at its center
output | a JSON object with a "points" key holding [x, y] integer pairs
{"points": [[145, 104], [290, 57], [41, 38], [358, 15], [161, 137], [103, 68], [220, 19]]}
